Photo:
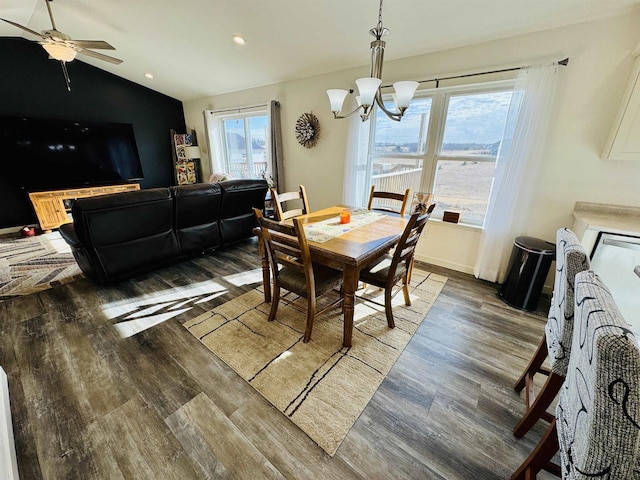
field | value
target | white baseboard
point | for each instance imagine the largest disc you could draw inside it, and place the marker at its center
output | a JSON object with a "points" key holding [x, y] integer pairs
{"points": [[546, 289], [8, 462], [458, 267]]}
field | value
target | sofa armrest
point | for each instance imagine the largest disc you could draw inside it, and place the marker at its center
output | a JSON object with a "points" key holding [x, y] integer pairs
{"points": [[68, 233]]}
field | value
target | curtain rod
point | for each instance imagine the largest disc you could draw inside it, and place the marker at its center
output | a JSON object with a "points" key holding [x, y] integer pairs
{"points": [[563, 62], [239, 108]]}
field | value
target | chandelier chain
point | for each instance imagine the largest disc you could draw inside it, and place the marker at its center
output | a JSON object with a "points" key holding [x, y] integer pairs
{"points": [[380, 15]]}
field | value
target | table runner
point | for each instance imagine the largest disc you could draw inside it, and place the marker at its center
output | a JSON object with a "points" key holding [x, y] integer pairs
{"points": [[325, 230]]}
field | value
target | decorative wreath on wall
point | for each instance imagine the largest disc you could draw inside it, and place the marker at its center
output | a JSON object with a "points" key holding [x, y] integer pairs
{"points": [[307, 130]]}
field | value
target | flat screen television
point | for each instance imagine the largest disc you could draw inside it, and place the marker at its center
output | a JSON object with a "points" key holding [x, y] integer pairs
{"points": [[48, 154]]}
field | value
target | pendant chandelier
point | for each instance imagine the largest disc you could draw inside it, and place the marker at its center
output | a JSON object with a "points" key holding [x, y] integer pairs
{"points": [[369, 87]]}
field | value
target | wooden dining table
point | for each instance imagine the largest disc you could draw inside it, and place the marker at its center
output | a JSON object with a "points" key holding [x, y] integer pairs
{"points": [[349, 252]]}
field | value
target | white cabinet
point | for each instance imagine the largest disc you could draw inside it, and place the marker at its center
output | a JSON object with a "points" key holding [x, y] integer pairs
{"points": [[8, 463], [624, 139]]}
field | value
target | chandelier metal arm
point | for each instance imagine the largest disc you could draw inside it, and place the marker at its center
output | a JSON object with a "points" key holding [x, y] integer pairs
{"points": [[357, 109], [397, 116]]}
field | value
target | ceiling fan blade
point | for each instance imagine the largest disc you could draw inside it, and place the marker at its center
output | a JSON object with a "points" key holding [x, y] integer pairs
{"points": [[100, 56], [33, 32], [95, 44], [99, 44]]}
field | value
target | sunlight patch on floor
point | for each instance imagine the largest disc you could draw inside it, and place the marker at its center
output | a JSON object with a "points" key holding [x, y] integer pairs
{"points": [[174, 296], [245, 278], [130, 328], [135, 315]]}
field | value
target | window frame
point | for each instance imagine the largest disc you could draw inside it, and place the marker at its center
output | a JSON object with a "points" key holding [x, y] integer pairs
{"points": [[440, 98], [246, 118]]}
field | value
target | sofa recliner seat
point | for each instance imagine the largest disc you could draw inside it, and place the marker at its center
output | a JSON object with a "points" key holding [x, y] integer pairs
{"points": [[121, 235]]}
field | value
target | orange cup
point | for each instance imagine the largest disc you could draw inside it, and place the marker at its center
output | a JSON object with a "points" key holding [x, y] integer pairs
{"points": [[345, 217]]}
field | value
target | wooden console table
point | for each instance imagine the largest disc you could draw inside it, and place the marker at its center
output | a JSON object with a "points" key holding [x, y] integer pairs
{"points": [[52, 207]]}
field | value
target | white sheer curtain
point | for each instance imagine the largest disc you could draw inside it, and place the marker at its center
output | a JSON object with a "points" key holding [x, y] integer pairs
{"points": [[214, 137], [355, 186], [516, 167]]}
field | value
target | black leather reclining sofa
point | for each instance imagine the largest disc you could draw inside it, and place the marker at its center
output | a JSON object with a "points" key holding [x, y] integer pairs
{"points": [[124, 234]]}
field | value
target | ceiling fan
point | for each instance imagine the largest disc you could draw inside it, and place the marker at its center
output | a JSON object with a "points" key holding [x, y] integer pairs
{"points": [[61, 47]]}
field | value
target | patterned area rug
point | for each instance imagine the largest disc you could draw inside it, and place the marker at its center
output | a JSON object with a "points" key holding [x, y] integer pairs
{"points": [[32, 264], [320, 386]]}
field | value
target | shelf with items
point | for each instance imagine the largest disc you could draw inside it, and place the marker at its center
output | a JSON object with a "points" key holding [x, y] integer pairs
{"points": [[186, 157], [53, 207]]}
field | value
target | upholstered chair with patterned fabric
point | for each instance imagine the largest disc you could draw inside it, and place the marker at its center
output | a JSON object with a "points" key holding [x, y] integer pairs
{"points": [[598, 415], [597, 424], [571, 259]]}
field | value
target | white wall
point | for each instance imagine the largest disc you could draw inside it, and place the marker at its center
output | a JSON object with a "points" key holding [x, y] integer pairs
{"points": [[588, 95]]}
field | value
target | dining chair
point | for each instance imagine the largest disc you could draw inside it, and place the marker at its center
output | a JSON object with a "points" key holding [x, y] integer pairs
{"points": [[279, 199], [597, 424], [293, 270], [385, 196], [397, 266], [555, 344]]}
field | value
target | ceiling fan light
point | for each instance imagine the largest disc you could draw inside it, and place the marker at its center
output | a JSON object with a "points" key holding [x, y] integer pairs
{"points": [[60, 52], [367, 87], [336, 98], [404, 93]]}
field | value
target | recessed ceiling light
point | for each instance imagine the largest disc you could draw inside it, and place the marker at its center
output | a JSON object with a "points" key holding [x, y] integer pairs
{"points": [[148, 75], [239, 40]]}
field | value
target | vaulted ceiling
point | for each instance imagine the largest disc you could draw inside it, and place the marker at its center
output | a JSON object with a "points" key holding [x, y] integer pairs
{"points": [[187, 44]]}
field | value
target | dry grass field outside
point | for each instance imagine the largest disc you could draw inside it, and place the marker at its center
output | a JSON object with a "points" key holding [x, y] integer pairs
{"points": [[461, 186], [464, 187]]}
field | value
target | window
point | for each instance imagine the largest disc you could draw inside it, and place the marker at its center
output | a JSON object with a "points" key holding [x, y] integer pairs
{"points": [[447, 143], [245, 149]]}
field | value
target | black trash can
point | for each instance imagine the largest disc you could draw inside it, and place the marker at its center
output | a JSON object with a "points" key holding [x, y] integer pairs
{"points": [[528, 268]]}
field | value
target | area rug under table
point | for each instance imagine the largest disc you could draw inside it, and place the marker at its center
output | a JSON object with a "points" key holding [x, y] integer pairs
{"points": [[33, 264], [321, 386]]}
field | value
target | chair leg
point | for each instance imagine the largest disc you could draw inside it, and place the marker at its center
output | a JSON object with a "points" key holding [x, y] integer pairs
{"points": [[275, 300], [405, 291], [534, 364], [540, 457], [387, 307], [410, 270], [538, 408], [311, 315]]}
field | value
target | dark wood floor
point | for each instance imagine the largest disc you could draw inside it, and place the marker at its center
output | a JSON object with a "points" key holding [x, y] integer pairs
{"points": [[89, 403]]}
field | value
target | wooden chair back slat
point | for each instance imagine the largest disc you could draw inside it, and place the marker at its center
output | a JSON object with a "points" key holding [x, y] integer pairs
{"points": [[403, 198], [279, 199], [408, 241]]}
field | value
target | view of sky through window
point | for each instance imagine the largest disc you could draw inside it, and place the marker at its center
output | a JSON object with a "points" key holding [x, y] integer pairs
{"points": [[407, 132], [242, 133], [474, 121], [473, 124]]}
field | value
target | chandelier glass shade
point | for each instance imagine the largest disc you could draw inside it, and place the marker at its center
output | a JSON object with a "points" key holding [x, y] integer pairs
{"points": [[369, 87]]}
